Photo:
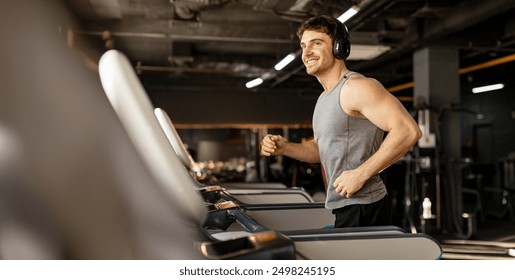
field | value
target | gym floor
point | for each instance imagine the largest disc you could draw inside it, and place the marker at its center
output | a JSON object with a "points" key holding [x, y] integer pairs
{"points": [[494, 240]]}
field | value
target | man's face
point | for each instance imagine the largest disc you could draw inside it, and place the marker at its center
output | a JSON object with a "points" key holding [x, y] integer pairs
{"points": [[317, 52]]}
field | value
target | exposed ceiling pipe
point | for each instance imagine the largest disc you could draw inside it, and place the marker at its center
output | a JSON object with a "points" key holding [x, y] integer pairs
{"points": [[229, 71], [503, 46], [464, 70], [465, 14], [189, 38], [189, 9], [108, 9], [367, 9]]}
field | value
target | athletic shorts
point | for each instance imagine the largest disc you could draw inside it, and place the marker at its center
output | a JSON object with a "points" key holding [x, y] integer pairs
{"points": [[362, 215]]}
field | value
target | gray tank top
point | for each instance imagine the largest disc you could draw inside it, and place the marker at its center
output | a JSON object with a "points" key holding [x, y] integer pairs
{"points": [[344, 143]]}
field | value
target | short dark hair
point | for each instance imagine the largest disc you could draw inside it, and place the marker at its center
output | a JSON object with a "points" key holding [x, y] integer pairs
{"points": [[323, 23]]}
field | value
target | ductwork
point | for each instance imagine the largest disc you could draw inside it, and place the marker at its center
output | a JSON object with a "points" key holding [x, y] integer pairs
{"points": [[465, 14], [190, 9]]}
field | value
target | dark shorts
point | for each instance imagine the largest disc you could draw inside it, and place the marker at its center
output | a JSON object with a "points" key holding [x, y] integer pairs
{"points": [[362, 215]]}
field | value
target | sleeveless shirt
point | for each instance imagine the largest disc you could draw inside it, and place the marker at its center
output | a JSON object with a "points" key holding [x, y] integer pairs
{"points": [[344, 143]]}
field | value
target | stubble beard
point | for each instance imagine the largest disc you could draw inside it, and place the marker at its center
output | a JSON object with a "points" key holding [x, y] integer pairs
{"points": [[319, 68]]}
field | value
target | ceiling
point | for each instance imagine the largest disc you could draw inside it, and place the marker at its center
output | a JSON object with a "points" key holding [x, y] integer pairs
{"points": [[194, 46]]}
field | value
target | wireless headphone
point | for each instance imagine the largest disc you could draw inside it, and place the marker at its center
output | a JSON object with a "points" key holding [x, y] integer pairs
{"points": [[341, 44]]}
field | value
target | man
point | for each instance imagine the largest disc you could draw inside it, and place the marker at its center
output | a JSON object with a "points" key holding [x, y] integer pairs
{"points": [[349, 121]]}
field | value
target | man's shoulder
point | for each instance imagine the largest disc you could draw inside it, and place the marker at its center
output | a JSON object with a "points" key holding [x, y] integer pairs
{"points": [[357, 84], [359, 92]]}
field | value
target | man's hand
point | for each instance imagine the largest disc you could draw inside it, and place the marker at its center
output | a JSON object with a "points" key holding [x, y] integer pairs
{"points": [[272, 145], [348, 183]]}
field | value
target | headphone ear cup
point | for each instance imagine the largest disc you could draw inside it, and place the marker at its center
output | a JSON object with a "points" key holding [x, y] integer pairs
{"points": [[345, 48], [337, 48], [341, 48]]}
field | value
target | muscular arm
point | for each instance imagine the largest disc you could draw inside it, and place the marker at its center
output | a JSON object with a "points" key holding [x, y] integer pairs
{"points": [[366, 98], [276, 145], [387, 113]]}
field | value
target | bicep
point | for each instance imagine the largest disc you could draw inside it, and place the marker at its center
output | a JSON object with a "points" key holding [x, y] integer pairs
{"points": [[388, 114]]}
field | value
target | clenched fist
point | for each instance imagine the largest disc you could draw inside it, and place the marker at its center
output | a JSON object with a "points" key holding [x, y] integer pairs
{"points": [[272, 145]]}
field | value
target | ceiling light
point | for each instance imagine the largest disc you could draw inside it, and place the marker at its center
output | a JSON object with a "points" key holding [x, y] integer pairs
{"points": [[253, 83], [290, 57], [285, 61], [487, 88], [348, 14]]}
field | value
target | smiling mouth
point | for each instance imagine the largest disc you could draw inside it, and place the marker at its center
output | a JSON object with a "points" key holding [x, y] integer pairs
{"points": [[310, 62]]}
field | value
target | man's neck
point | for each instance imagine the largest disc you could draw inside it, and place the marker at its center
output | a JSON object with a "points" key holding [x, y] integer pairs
{"points": [[330, 78]]}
